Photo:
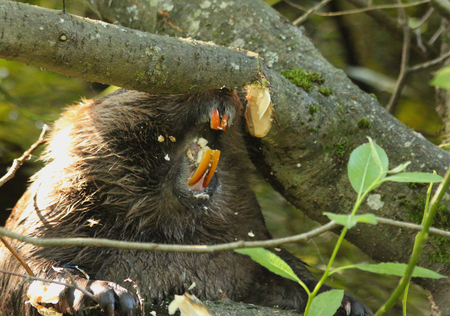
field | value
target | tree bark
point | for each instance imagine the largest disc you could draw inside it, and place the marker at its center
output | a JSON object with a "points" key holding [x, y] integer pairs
{"points": [[101, 52], [305, 154]]}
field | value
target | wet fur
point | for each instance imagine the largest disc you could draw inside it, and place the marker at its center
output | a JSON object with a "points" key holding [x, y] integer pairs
{"points": [[104, 162]]}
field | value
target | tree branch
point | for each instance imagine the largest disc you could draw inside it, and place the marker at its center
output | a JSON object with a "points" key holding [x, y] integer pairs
{"points": [[401, 80], [311, 11], [101, 242], [386, 22], [442, 7], [73, 284], [26, 155], [101, 52], [357, 11]]}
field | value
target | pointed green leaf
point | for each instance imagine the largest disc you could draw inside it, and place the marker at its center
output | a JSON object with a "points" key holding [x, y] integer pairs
{"points": [[326, 303], [421, 177], [398, 269], [442, 78], [375, 155], [270, 261], [400, 168], [363, 171], [349, 221]]}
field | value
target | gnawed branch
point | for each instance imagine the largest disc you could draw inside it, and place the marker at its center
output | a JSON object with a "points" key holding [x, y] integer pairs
{"points": [[101, 52]]}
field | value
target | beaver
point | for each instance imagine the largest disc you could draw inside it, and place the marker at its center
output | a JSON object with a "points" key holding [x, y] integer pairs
{"points": [[131, 166]]}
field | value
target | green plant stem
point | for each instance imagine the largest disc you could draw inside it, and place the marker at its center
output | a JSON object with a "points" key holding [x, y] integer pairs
{"points": [[351, 266], [420, 241], [405, 297], [333, 256]]}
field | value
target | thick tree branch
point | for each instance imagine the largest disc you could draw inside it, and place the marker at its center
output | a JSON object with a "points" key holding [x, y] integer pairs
{"points": [[105, 53]]}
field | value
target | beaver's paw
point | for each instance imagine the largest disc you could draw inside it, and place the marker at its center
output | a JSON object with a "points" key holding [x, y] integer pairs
{"points": [[107, 298], [112, 298], [350, 306]]}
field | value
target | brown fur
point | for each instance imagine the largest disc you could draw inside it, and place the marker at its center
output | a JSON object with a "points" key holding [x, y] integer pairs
{"points": [[104, 162]]}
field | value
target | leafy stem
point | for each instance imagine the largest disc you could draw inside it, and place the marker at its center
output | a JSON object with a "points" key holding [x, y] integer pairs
{"points": [[421, 238], [327, 272]]}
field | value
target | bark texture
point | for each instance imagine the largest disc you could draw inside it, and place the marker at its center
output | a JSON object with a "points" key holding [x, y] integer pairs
{"points": [[101, 52]]}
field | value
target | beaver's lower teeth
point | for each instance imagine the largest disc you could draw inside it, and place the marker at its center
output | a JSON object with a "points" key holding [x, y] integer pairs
{"points": [[206, 167]]}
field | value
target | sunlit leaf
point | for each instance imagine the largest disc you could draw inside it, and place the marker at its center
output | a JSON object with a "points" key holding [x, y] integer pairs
{"points": [[270, 261], [400, 168], [398, 269], [326, 303], [363, 171], [442, 78], [349, 221], [421, 177]]}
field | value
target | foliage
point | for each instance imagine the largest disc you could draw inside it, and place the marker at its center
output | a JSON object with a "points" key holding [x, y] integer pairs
{"points": [[442, 78], [398, 269], [270, 261], [368, 168]]}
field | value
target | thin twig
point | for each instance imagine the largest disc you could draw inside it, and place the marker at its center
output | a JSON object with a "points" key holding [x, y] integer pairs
{"points": [[17, 256], [361, 10], [79, 288], [309, 12], [101, 242], [429, 63], [9, 175], [417, 29], [26, 155], [406, 50], [436, 35], [425, 17], [442, 8], [387, 22], [69, 285], [410, 226]]}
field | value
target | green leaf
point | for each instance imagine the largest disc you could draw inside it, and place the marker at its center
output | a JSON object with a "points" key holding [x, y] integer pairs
{"points": [[398, 269], [421, 177], [326, 303], [363, 171], [442, 78], [375, 155], [399, 168], [270, 261], [349, 221]]}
